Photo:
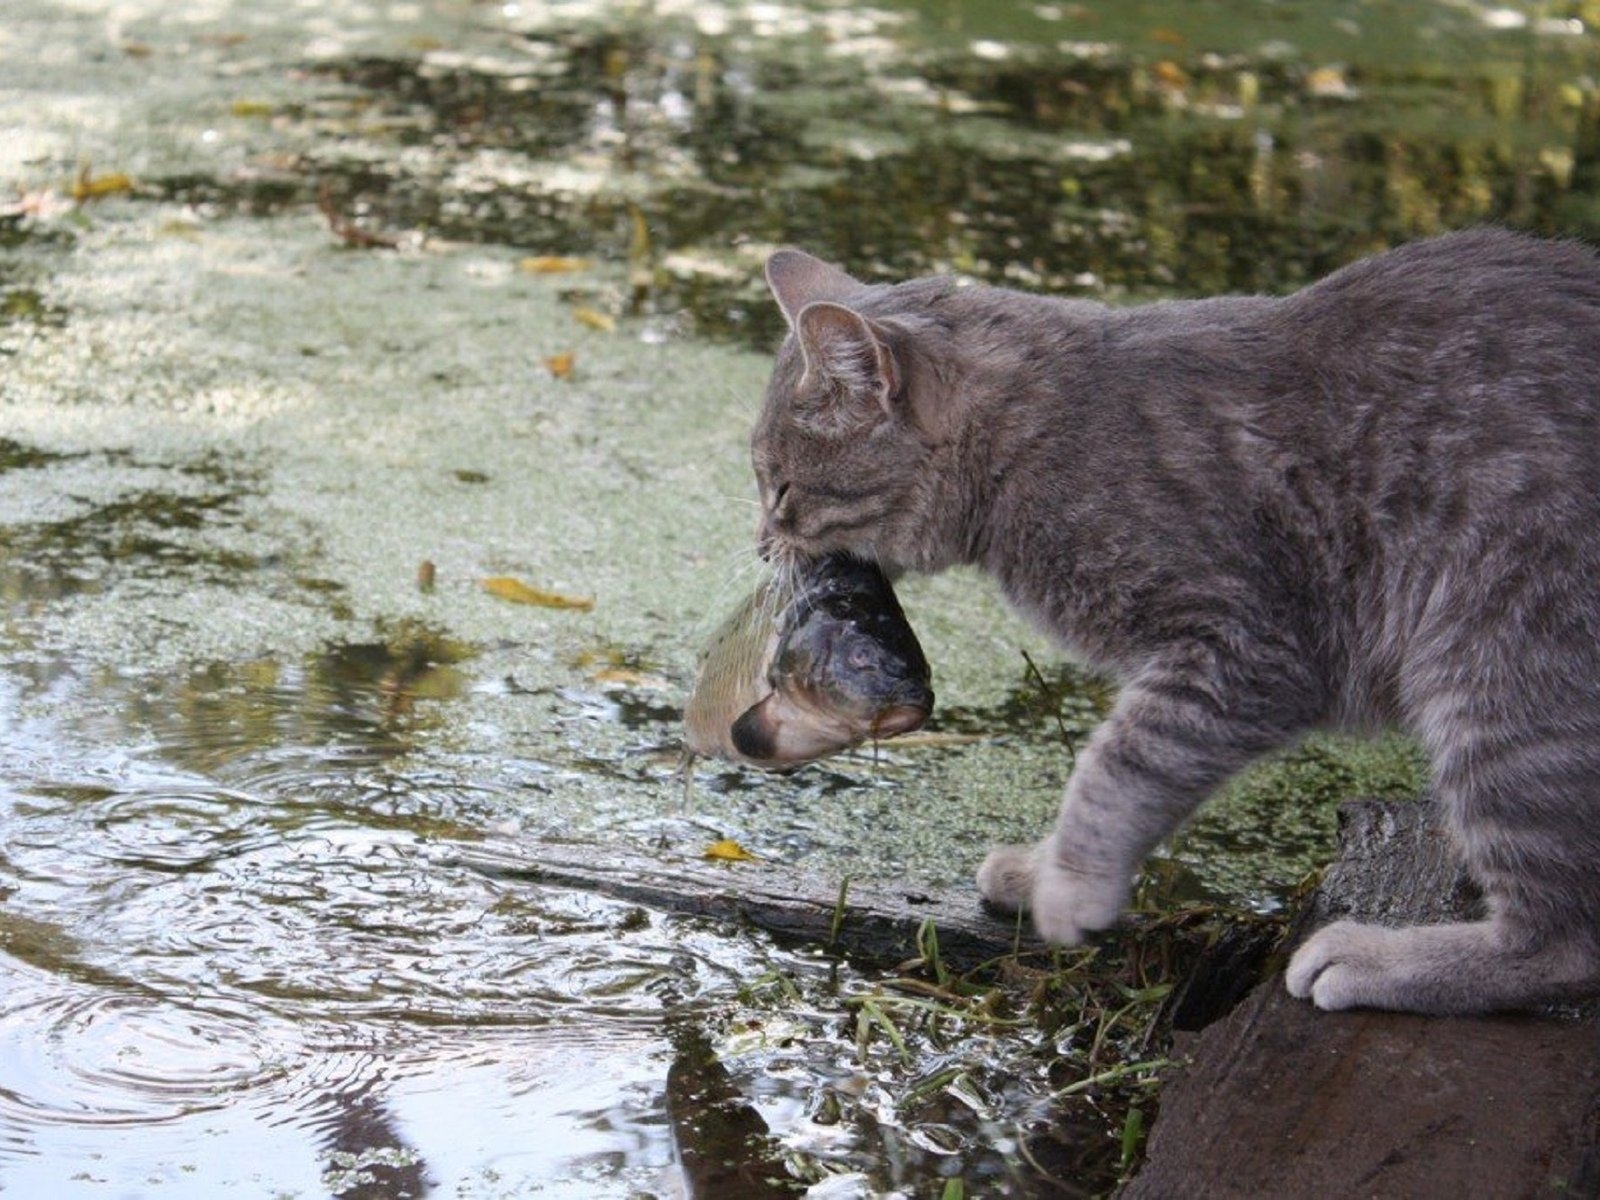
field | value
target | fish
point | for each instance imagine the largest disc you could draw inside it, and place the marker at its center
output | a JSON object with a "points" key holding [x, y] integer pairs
{"points": [[797, 673]]}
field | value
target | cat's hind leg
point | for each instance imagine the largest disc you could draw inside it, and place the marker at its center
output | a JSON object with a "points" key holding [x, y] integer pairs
{"points": [[1458, 968], [1510, 712]]}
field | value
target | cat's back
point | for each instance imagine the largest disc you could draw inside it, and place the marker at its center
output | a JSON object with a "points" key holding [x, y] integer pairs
{"points": [[1472, 347], [1457, 286]]}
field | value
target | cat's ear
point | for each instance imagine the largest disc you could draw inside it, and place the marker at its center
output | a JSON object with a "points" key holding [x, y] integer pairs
{"points": [[798, 279], [849, 363]]}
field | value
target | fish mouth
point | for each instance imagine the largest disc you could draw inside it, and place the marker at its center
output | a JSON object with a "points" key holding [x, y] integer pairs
{"points": [[899, 718]]}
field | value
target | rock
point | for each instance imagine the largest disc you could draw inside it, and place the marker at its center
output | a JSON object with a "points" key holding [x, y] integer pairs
{"points": [[1280, 1100]]}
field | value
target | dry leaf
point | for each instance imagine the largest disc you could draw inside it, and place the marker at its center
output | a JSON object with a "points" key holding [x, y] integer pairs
{"points": [[560, 365], [1329, 83], [514, 590], [595, 319], [640, 274], [728, 850], [1170, 74], [91, 187], [250, 109], [551, 264], [628, 677]]}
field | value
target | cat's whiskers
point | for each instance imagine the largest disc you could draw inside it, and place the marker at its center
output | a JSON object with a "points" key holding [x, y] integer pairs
{"points": [[788, 570], [737, 572]]}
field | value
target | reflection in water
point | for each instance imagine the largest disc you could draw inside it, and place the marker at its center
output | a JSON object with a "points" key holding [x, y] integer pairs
{"points": [[368, 1158], [724, 1144], [1098, 150]]}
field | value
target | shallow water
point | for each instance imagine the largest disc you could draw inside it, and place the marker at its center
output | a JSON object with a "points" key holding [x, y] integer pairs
{"points": [[289, 342]]}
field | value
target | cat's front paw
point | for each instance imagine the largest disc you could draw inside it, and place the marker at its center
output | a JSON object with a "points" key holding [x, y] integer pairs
{"points": [[1069, 905], [1348, 965], [1005, 880]]}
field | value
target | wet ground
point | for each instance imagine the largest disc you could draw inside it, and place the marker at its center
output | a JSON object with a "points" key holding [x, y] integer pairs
{"points": [[312, 319]]}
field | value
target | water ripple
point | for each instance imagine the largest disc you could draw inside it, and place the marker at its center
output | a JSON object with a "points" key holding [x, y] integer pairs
{"points": [[91, 1057]]}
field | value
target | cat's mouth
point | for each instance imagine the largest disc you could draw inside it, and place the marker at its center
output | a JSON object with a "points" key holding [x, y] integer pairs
{"points": [[780, 547]]}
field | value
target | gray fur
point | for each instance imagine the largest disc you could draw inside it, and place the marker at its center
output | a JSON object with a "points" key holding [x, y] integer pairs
{"points": [[1374, 502]]}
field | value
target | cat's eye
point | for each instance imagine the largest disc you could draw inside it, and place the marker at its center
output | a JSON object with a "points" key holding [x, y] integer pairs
{"points": [[777, 496]]}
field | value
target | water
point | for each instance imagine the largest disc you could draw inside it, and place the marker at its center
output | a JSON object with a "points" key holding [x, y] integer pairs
{"points": [[288, 343]]}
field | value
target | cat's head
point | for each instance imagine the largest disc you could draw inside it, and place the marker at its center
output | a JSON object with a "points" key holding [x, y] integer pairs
{"points": [[846, 450]]}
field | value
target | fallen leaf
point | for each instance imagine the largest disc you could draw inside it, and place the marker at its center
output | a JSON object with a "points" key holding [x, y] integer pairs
{"points": [[595, 319], [1329, 83], [728, 850], [426, 572], [551, 264], [628, 677], [250, 109], [1170, 74], [514, 590], [560, 365], [88, 186], [640, 273]]}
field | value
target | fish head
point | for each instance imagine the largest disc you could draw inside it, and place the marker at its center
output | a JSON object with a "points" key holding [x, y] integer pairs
{"points": [[862, 674]]}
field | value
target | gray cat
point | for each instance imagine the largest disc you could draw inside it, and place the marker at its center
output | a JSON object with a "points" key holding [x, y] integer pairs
{"points": [[1375, 502]]}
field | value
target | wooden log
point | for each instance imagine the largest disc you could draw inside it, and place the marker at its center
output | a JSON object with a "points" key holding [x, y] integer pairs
{"points": [[876, 922], [1281, 1100]]}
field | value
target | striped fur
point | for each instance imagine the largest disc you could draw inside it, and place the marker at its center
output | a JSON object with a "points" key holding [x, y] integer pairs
{"points": [[1375, 502]]}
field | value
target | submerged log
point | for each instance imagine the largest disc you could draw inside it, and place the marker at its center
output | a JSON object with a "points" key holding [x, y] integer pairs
{"points": [[870, 921], [1281, 1100]]}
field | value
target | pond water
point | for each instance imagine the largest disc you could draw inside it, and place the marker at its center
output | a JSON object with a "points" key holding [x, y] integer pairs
{"points": [[295, 299]]}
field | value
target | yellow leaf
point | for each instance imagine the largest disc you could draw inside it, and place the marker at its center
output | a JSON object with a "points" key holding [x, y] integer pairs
{"points": [[728, 850], [627, 677], [639, 252], [91, 187], [595, 319], [514, 590], [251, 109], [560, 365], [1170, 74], [551, 264]]}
